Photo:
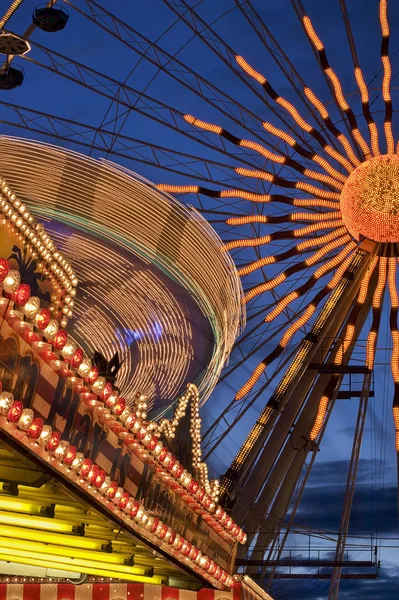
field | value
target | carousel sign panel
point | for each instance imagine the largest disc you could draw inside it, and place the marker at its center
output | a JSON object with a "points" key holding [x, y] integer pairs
{"points": [[25, 374]]}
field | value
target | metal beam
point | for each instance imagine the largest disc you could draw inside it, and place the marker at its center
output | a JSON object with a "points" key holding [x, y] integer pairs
{"points": [[304, 562], [322, 576], [168, 63], [131, 98], [350, 488], [127, 147]]}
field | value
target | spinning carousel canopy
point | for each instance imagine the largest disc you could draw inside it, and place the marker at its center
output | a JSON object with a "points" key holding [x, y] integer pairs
{"points": [[154, 285]]}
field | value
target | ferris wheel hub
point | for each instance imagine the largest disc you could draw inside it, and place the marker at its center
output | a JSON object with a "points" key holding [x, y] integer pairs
{"points": [[370, 200]]}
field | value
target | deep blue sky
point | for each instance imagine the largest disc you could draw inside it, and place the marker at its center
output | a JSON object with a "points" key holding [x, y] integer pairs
{"points": [[375, 509]]}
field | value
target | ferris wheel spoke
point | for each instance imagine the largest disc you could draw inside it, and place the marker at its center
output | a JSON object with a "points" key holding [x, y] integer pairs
{"points": [[300, 12], [333, 283], [393, 319], [338, 93], [292, 111], [282, 235], [272, 259], [277, 53], [386, 83], [373, 131], [300, 266], [226, 54], [376, 313], [329, 181]]}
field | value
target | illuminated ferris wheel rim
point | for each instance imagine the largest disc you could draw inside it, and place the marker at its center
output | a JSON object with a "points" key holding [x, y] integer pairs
{"points": [[100, 199]]}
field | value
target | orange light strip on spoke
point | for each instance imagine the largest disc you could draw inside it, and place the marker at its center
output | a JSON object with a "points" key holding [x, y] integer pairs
{"points": [[315, 216], [393, 293], [315, 157], [268, 260], [327, 167], [262, 262], [297, 325], [376, 304], [281, 306], [264, 287], [280, 133], [328, 224], [312, 260], [315, 191], [323, 178], [245, 195], [324, 115], [324, 239], [255, 173], [339, 273], [386, 82], [321, 413], [333, 262], [338, 93], [250, 71], [350, 328], [246, 243], [315, 202], [247, 219], [243, 391], [178, 189], [277, 158], [202, 124], [292, 111], [364, 286], [364, 93]]}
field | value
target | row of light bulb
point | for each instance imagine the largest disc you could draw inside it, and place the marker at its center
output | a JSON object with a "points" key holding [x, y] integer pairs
{"points": [[54, 265], [154, 449], [99, 482], [77, 361], [168, 428]]}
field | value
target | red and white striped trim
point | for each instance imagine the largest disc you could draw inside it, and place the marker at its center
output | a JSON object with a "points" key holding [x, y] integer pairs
{"points": [[108, 591]]}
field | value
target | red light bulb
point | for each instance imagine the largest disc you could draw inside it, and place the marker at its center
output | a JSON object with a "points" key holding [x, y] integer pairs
{"points": [[35, 428], [21, 294], [113, 488], [60, 339], [43, 318], [86, 467], [15, 412], [163, 531], [135, 509], [193, 486], [92, 375], [172, 538], [4, 268], [70, 455], [76, 358], [107, 391], [153, 442], [53, 442], [100, 478], [124, 500], [119, 406]]}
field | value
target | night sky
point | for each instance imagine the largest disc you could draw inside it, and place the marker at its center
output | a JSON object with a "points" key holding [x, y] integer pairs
{"points": [[375, 516]]}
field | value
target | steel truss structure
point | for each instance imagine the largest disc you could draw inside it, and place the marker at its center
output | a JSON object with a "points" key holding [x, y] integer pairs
{"points": [[302, 159]]}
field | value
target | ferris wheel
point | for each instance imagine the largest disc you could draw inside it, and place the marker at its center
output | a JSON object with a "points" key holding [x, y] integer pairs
{"points": [[301, 184]]}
